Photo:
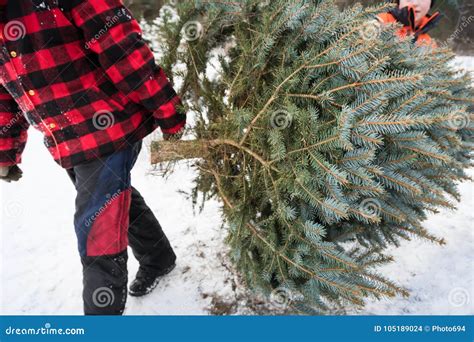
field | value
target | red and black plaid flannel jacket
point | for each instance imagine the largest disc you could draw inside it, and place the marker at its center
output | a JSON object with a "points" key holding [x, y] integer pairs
{"points": [[80, 72]]}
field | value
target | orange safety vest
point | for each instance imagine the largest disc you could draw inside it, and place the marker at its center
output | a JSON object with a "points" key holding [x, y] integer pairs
{"points": [[423, 38]]}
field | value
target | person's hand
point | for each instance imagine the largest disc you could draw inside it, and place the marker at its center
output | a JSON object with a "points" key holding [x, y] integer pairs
{"points": [[175, 136], [4, 171], [405, 15], [10, 173]]}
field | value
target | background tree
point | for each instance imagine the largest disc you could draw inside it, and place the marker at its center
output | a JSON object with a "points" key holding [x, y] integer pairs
{"points": [[463, 33], [458, 19]]}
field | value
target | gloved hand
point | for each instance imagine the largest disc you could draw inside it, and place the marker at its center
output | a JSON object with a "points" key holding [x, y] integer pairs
{"points": [[4, 171], [405, 15], [10, 173], [175, 136]]}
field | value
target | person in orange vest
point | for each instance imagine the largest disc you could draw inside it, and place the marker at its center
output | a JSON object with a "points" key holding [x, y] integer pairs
{"points": [[413, 14]]}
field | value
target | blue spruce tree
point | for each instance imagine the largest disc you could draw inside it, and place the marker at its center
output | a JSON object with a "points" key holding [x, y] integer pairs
{"points": [[326, 137]]}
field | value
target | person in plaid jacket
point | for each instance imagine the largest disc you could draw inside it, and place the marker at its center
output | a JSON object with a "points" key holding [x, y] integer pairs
{"points": [[80, 72]]}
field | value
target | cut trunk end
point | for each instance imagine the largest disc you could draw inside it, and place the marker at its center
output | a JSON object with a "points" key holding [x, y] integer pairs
{"points": [[165, 151]]}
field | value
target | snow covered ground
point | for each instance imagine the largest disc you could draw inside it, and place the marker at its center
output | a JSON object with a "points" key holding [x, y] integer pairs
{"points": [[40, 272]]}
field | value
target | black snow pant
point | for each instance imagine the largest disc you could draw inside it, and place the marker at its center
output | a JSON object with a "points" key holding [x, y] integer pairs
{"points": [[109, 215]]}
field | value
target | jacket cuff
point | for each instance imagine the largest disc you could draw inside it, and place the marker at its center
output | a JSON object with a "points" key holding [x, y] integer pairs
{"points": [[7, 160], [10, 163], [174, 129]]}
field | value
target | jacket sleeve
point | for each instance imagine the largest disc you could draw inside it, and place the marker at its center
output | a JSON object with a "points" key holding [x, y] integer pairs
{"points": [[111, 31], [13, 130]]}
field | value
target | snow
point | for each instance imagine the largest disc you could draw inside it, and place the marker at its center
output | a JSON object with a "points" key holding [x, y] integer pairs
{"points": [[40, 271]]}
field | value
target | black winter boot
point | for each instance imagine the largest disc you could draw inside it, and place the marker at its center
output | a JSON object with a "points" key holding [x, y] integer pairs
{"points": [[146, 281]]}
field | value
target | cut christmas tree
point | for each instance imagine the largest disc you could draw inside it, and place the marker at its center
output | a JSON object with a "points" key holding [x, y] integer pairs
{"points": [[326, 137]]}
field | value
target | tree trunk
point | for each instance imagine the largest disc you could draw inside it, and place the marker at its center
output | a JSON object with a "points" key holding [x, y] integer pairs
{"points": [[163, 151]]}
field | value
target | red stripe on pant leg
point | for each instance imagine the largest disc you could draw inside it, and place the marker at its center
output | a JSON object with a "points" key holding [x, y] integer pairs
{"points": [[108, 234]]}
